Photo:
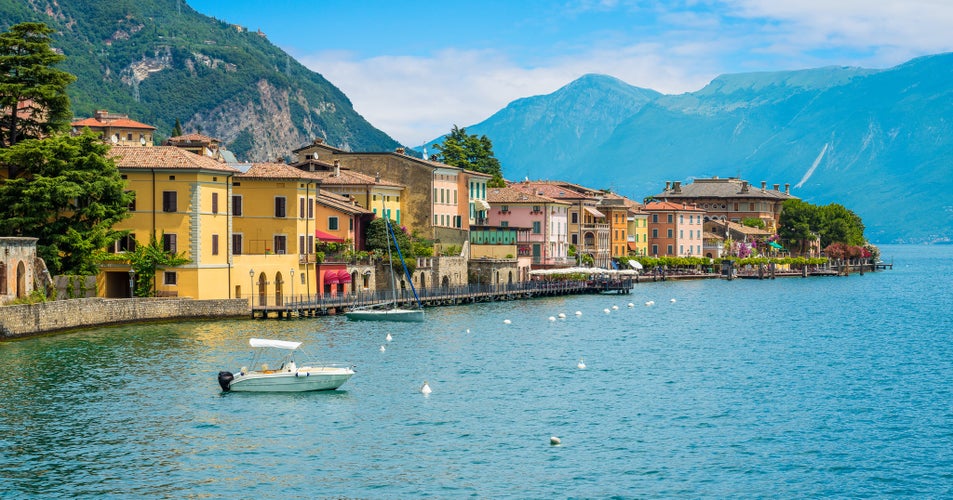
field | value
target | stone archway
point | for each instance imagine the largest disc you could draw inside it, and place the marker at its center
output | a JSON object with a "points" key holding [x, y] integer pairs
{"points": [[445, 282], [262, 290], [279, 282], [21, 280]]}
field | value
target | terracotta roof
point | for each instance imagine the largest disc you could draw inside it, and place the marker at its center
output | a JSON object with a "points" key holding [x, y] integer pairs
{"points": [[513, 195], [164, 157], [666, 205], [192, 138], [557, 191], [736, 227], [275, 171], [342, 203], [117, 123], [350, 178]]}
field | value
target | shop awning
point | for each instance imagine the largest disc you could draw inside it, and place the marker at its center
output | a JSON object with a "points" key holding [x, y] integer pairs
{"points": [[481, 204], [343, 276], [322, 236], [594, 212], [331, 278]]}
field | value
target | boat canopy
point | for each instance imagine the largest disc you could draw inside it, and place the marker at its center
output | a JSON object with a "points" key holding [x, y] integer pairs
{"points": [[277, 344]]}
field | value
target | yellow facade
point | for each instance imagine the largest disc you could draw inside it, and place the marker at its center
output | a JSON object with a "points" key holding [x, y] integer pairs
{"points": [[639, 233]]}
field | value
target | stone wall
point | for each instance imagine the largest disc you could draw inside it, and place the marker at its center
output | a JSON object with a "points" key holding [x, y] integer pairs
{"points": [[26, 320]]}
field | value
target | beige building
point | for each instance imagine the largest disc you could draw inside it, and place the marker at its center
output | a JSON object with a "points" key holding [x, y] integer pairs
{"points": [[117, 129], [730, 199]]}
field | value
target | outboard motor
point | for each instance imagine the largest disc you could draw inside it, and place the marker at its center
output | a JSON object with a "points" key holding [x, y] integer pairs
{"points": [[225, 379]]}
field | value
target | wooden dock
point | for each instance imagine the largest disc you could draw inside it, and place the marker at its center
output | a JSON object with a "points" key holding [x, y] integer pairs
{"points": [[302, 307]]}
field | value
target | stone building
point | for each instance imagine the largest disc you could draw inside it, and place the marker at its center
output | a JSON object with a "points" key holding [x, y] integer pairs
{"points": [[20, 269]]}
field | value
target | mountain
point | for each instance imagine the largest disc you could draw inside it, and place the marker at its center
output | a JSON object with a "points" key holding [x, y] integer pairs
{"points": [[879, 142], [160, 60]]}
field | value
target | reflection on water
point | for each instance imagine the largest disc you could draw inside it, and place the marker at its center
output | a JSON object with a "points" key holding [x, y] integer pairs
{"points": [[791, 387]]}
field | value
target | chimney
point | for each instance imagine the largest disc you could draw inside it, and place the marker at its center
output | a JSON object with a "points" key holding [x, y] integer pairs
{"points": [[764, 185], [677, 185], [101, 114], [787, 189], [399, 151], [318, 140], [777, 187], [668, 184], [337, 168], [744, 186], [377, 177]]}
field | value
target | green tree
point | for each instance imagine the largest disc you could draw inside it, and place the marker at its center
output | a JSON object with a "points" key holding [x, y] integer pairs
{"points": [[471, 152], [840, 225], [69, 194], [146, 260], [177, 129], [376, 238], [801, 222], [753, 222], [33, 95]]}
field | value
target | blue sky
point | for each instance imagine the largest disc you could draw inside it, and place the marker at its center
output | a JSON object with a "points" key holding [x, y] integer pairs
{"points": [[416, 68]]}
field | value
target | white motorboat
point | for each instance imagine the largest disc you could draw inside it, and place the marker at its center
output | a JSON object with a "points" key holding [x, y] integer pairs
{"points": [[289, 376]]}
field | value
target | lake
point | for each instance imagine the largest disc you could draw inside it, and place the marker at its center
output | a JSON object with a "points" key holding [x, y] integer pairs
{"points": [[826, 386]]}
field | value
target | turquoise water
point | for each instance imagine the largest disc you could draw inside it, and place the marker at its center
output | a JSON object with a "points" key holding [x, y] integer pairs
{"points": [[777, 388]]}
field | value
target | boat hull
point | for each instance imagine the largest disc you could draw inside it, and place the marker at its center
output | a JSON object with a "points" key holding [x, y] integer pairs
{"points": [[304, 380], [406, 315]]}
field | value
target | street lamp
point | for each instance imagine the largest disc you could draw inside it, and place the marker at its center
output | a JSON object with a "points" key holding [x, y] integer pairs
{"points": [[132, 287], [292, 286], [251, 286]]}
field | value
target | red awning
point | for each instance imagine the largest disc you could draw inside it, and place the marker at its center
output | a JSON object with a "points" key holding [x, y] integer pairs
{"points": [[322, 236], [331, 278], [343, 276]]}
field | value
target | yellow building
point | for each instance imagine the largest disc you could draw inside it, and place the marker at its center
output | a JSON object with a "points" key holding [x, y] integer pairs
{"points": [[116, 129], [373, 193], [183, 200]]}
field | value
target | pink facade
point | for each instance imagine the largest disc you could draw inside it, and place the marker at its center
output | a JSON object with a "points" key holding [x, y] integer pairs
{"points": [[546, 218]]}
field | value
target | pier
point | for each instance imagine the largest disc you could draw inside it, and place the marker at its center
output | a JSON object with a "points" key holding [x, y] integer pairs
{"points": [[304, 307]]}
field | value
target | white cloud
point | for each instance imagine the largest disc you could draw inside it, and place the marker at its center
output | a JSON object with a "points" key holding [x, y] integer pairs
{"points": [[417, 98]]}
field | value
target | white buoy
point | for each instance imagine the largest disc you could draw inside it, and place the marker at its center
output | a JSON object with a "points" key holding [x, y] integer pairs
{"points": [[425, 389], [468, 330], [605, 311], [615, 308], [581, 365], [649, 303], [578, 313], [554, 441], [631, 304], [383, 349], [388, 338], [552, 318], [672, 301], [562, 315], [506, 321]]}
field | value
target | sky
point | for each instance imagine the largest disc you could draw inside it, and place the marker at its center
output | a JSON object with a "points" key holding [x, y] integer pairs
{"points": [[415, 68]]}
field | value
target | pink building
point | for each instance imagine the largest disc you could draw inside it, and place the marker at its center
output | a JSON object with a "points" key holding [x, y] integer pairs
{"points": [[546, 218], [675, 229]]}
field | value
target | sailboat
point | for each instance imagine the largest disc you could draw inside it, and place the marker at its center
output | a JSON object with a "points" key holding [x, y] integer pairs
{"points": [[391, 311]]}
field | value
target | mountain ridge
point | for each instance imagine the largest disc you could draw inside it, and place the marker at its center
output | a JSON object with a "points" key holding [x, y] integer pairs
{"points": [[845, 135]]}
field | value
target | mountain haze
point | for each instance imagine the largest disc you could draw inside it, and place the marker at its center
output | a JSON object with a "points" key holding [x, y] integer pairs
{"points": [[879, 142], [160, 60]]}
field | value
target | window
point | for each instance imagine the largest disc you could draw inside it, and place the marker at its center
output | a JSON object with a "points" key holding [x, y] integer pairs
{"points": [[281, 244], [350, 221], [168, 243], [214, 244], [505, 223], [575, 239], [301, 247], [671, 219], [214, 203], [332, 223], [125, 244], [129, 136], [169, 201], [654, 217], [670, 250], [310, 208], [574, 217], [301, 208], [537, 227], [670, 235], [280, 208], [236, 244], [504, 208], [655, 233], [170, 278], [681, 219], [681, 233], [736, 207], [237, 205], [654, 249]]}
